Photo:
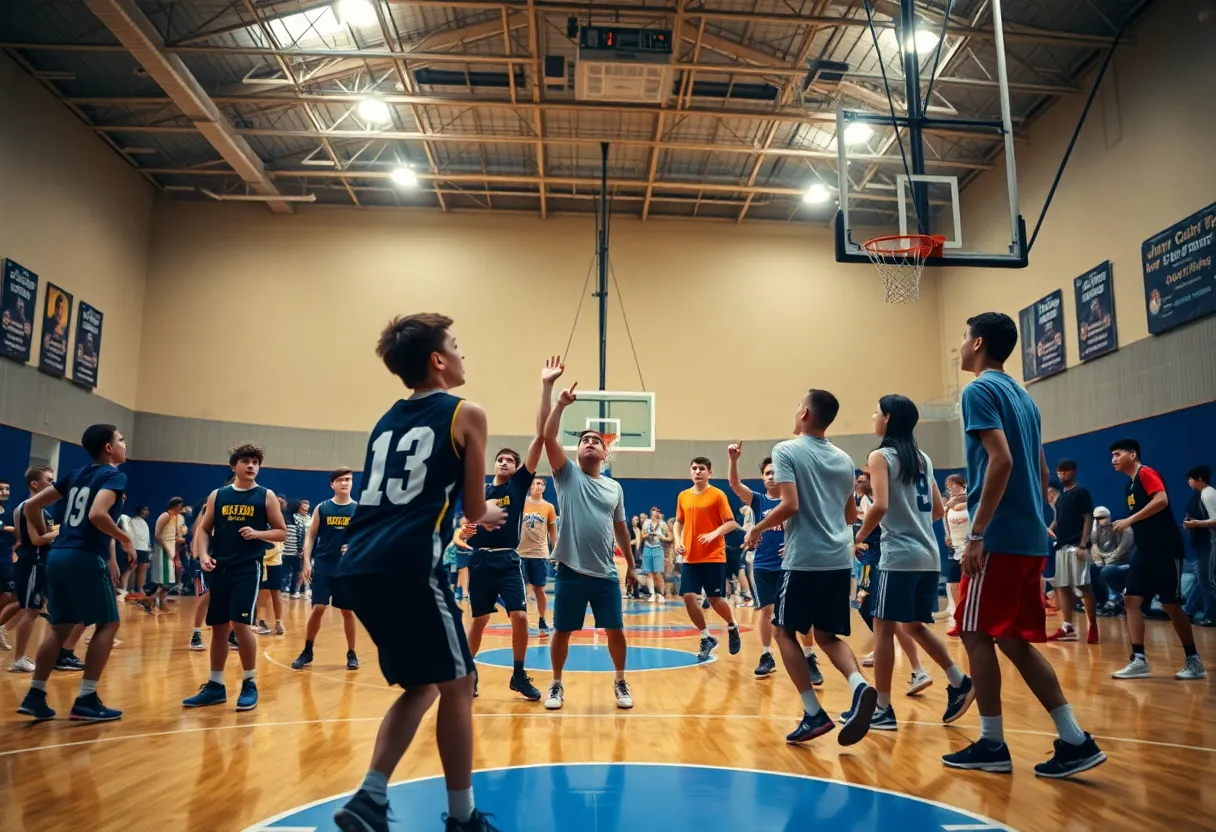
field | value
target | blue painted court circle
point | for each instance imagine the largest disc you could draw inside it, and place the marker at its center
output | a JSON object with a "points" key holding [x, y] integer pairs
{"points": [[628, 797], [594, 658]]}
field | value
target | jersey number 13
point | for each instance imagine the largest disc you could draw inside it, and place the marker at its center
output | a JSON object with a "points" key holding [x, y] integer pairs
{"points": [[417, 443]]}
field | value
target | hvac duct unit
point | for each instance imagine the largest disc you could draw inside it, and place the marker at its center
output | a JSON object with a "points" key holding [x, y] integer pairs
{"points": [[629, 65]]}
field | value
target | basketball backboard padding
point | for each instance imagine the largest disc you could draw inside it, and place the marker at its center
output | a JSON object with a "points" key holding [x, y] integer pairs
{"points": [[629, 415]]}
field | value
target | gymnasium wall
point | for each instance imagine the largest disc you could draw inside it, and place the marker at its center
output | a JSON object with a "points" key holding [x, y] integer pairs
{"points": [[75, 213], [1142, 162]]}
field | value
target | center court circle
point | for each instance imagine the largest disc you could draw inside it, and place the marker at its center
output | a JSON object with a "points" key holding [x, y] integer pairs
{"points": [[593, 658], [615, 797]]}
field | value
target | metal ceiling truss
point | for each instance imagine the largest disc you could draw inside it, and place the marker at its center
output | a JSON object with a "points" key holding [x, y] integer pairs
{"points": [[713, 43]]}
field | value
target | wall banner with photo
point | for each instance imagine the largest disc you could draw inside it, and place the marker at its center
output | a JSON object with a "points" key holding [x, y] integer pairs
{"points": [[56, 322], [88, 346], [1179, 275], [1042, 337], [1096, 330], [18, 306]]}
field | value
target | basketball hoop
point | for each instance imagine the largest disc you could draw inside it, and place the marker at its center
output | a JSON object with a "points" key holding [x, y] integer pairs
{"points": [[610, 447], [900, 259]]}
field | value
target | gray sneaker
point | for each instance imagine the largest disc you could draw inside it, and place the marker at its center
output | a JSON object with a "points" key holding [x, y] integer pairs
{"points": [[1193, 669], [1137, 668]]}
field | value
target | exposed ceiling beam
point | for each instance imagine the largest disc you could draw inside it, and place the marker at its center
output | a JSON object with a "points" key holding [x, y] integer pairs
{"points": [[137, 34]]}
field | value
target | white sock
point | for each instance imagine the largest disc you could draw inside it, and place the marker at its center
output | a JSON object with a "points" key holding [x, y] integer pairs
{"points": [[884, 700], [1066, 725], [198, 631], [992, 728], [732, 626], [705, 634], [36, 685], [856, 680], [954, 676], [766, 651], [248, 674], [810, 702], [1066, 625], [376, 786], [808, 651], [87, 686], [216, 676], [460, 805], [650, 583]]}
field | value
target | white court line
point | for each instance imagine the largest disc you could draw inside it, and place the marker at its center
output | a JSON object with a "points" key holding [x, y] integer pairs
{"points": [[948, 827], [264, 826], [618, 714]]}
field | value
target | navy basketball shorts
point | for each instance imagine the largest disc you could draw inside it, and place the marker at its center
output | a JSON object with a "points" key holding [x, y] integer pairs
{"points": [[818, 600], [234, 593], [493, 575], [79, 589], [272, 577], [8, 581], [1155, 573], [766, 583], [30, 577], [904, 596], [734, 561], [323, 590], [414, 622], [710, 577], [536, 571], [573, 592]]}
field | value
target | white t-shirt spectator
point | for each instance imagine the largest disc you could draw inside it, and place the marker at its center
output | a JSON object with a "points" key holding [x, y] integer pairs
{"points": [[140, 536]]}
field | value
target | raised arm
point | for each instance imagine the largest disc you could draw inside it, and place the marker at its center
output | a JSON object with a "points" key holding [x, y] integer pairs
{"points": [[550, 374], [736, 484], [553, 446]]}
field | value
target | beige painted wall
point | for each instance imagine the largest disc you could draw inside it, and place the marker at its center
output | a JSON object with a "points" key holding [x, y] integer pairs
{"points": [[1144, 161], [279, 317], [76, 214]]}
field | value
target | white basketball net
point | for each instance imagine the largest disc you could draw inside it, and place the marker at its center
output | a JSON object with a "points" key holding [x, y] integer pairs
{"points": [[899, 261]]}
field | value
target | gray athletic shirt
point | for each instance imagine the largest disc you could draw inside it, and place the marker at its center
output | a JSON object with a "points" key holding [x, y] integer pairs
{"points": [[817, 538], [908, 544], [588, 508]]}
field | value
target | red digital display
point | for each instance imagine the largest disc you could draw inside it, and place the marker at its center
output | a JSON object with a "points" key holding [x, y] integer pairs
{"points": [[610, 38]]}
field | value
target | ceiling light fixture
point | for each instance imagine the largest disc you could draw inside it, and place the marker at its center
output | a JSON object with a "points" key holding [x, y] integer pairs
{"points": [[356, 13], [857, 133], [374, 111], [404, 177], [922, 41], [817, 194]]}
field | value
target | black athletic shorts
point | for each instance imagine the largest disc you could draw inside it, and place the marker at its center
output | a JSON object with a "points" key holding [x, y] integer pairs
{"points": [[815, 599], [493, 575], [323, 590], [710, 577], [30, 577], [234, 593], [414, 623], [272, 577], [766, 583], [734, 561], [1152, 574], [8, 581], [954, 571], [905, 597], [143, 556]]}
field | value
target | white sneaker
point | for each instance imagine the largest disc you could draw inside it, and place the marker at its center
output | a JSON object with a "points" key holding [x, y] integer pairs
{"points": [[4, 645], [262, 629], [624, 698], [1137, 668], [308, 594], [1193, 669], [867, 660], [24, 665], [295, 596], [556, 696], [920, 680]]}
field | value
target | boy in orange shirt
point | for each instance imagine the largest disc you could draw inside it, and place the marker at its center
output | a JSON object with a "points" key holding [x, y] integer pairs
{"points": [[703, 517]]}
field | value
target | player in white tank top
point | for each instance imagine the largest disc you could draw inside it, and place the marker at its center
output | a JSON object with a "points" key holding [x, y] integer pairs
{"points": [[958, 526]]}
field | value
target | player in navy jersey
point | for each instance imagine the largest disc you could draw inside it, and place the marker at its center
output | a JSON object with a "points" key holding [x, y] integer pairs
{"points": [[229, 541], [82, 569], [426, 452], [494, 565], [323, 548], [1001, 593], [8, 584], [766, 562]]}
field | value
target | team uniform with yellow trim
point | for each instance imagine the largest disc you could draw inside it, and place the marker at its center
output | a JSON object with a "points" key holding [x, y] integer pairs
{"points": [[237, 576], [392, 574], [327, 549]]}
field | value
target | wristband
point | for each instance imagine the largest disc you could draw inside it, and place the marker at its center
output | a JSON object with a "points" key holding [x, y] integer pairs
{"points": [[979, 538]]}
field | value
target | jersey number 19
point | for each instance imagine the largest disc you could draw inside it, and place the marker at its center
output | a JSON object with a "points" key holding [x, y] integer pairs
{"points": [[418, 444]]}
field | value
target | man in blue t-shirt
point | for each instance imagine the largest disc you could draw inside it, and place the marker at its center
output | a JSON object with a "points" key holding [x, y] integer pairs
{"points": [[82, 569], [766, 561], [1001, 590]]}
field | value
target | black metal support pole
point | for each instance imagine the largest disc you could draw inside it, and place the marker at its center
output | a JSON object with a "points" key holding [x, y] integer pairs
{"points": [[920, 193], [602, 284]]}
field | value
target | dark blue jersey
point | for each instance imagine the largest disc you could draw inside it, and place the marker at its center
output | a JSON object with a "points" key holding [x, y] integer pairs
{"points": [[79, 489], [235, 509], [511, 496], [7, 539], [412, 477], [27, 550], [331, 534], [768, 550]]}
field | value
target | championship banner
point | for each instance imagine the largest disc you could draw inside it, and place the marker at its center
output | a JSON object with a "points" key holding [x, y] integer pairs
{"points": [[1179, 279], [1096, 331], [88, 346], [18, 300], [56, 317], [1042, 337]]}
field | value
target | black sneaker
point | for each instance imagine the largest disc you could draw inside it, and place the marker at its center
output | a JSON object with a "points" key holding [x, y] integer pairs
{"points": [[812, 663], [232, 645], [733, 641], [362, 814], [1071, 759], [865, 700], [352, 661], [767, 666], [705, 603], [476, 679], [708, 643], [477, 823], [982, 755], [811, 727], [958, 700], [884, 719], [196, 641], [67, 661], [522, 685], [303, 661], [542, 628]]}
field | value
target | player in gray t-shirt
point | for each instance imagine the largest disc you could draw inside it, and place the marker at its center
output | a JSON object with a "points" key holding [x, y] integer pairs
{"points": [[815, 480], [906, 504], [592, 508]]}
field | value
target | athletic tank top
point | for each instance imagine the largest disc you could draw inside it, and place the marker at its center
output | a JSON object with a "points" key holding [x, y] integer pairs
{"points": [[958, 522], [412, 477], [27, 550], [908, 544], [333, 522], [235, 509]]}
